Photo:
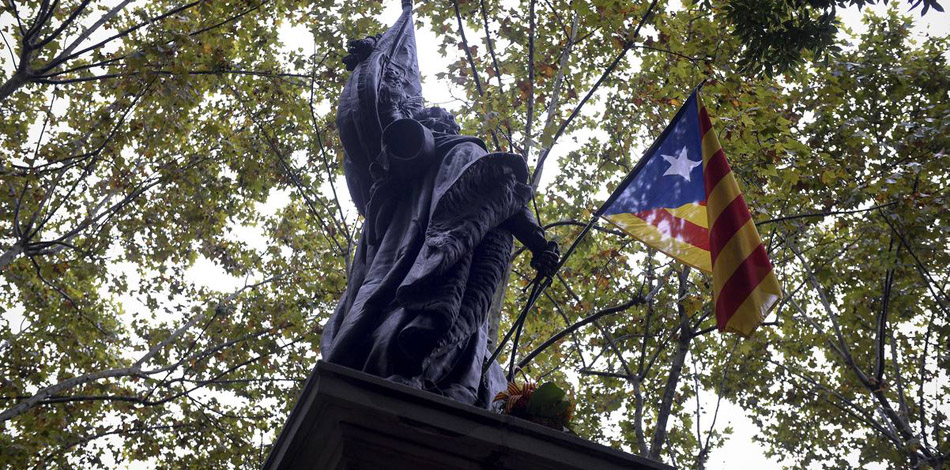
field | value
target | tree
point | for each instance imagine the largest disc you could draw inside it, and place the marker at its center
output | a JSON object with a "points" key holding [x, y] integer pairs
{"points": [[136, 141], [863, 342], [127, 165], [768, 134], [776, 35], [647, 366]]}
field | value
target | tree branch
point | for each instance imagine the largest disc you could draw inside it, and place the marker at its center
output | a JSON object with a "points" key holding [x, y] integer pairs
{"points": [[637, 300], [529, 113], [257, 73], [610, 68], [676, 368], [881, 327], [822, 214], [64, 55], [126, 32], [471, 63], [68, 21], [135, 370]]}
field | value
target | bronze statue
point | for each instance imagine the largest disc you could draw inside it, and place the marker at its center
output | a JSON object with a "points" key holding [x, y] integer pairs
{"points": [[439, 214]]}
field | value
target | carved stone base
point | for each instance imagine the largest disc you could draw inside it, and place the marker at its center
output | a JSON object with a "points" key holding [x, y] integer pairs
{"points": [[348, 420]]}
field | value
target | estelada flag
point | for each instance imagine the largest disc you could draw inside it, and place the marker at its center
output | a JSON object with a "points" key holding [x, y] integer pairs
{"points": [[683, 200]]}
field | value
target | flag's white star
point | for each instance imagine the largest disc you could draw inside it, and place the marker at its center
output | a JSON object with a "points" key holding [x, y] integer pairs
{"points": [[680, 165]]}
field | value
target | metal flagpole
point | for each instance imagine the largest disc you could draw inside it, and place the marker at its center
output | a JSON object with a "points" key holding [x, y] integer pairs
{"points": [[540, 283]]}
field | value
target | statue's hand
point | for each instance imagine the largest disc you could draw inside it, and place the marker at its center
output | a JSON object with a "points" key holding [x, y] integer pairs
{"points": [[545, 261], [359, 50]]}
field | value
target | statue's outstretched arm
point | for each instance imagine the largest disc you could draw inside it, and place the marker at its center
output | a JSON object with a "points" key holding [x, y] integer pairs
{"points": [[545, 253]]}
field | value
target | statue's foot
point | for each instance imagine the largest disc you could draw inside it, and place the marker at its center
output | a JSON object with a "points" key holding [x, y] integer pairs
{"points": [[413, 382]]}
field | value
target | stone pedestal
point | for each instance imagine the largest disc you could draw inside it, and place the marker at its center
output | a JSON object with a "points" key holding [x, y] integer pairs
{"points": [[348, 420]]}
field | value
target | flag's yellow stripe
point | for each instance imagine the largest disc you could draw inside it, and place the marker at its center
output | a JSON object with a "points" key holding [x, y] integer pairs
{"points": [[733, 253], [652, 236], [692, 212], [743, 247], [725, 191], [750, 314], [710, 145]]}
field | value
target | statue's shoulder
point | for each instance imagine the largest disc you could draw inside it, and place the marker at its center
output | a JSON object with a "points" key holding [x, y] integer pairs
{"points": [[446, 142], [475, 152]]}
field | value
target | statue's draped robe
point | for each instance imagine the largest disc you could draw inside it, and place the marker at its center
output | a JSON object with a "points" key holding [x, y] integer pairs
{"points": [[430, 257]]}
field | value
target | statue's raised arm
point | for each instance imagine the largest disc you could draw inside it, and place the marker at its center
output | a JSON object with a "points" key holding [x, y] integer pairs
{"points": [[384, 87]]}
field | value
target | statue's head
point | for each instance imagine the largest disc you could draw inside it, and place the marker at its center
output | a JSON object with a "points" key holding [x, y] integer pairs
{"points": [[438, 120]]}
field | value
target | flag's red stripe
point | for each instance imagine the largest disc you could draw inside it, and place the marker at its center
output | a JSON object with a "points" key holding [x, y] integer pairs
{"points": [[732, 218], [680, 229], [746, 278], [704, 122], [717, 166], [714, 170]]}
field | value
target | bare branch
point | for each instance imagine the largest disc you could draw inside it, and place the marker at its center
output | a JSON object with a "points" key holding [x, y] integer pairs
{"points": [[845, 403], [326, 163], [676, 368], [491, 47], [704, 446], [468, 52], [599, 373], [881, 333], [13, 59], [16, 14], [650, 277], [65, 24], [230, 19], [556, 96], [900, 424], [842, 346], [938, 295], [822, 214], [43, 14], [67, 384], [135, 370], [575, 341], [292, 174], [471, 63], [899, 379], [694, 60], [529, 113], [577, 109], [603, 331], [72, 302], [125, 32], [637, 300], [93, 154], [122, 431], [258, 73], [572, 222], [64, 55]]}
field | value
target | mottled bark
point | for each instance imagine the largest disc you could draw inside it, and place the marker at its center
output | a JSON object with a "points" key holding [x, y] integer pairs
{"points": [[12, 84], [676, 370]]}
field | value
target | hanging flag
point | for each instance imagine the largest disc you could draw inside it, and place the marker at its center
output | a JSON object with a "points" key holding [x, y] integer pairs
{"points": [[683, 200]]}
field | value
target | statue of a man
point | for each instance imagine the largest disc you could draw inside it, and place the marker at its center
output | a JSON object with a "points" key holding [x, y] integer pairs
{"points": [[439, 213]]}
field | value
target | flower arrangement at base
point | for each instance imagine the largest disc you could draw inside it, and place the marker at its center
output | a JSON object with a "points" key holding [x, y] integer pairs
{"points": [[546, 404]]}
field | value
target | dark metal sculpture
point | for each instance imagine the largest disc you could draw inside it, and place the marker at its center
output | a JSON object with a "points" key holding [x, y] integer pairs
{"points": [[439, 214]]}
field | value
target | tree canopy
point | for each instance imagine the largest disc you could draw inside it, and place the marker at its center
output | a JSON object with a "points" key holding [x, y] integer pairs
{"points": [[145, 145]]}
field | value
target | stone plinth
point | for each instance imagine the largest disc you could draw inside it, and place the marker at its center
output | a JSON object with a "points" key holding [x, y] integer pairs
{"points": [[348, 420]]}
